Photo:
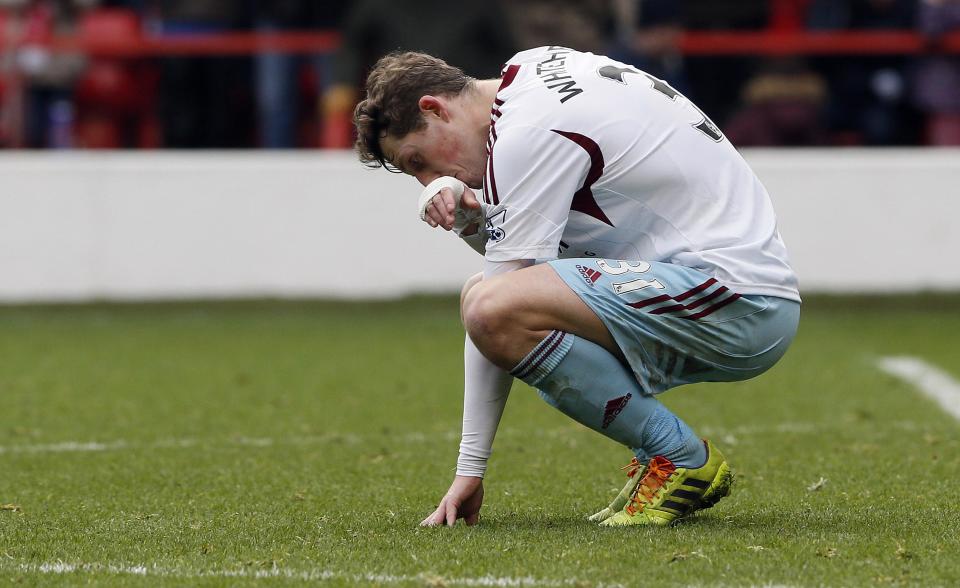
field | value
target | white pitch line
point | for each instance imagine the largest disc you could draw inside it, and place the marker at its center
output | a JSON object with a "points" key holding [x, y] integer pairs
{"points": [[353, 439], [66, 446], [60, 567], [932, 381]]}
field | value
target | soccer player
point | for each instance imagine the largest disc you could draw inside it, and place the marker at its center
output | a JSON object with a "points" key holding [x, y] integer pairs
{"points": [[628, 249]]}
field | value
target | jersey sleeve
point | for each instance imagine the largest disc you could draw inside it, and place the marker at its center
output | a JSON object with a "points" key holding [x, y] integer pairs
{"points": [[532, 175]]}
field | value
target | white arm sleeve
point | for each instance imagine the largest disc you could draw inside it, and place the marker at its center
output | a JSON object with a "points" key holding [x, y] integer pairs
{"points": [[485, 391]]}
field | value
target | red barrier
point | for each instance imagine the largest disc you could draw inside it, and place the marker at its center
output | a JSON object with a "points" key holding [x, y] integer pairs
{"points": [[206, 44], [815, 43]]}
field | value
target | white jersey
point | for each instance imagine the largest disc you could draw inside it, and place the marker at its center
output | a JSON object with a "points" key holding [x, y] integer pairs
{"points": [[591, 157]]}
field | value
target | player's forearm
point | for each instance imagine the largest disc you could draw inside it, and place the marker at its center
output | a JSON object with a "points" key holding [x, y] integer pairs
{"points": [[485, 391]]}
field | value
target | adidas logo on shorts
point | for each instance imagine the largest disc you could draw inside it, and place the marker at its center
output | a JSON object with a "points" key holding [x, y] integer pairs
{"points": [[590, 276]]}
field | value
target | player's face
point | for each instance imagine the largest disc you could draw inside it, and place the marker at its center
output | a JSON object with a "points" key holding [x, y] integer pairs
{"points": [[443, 148]]}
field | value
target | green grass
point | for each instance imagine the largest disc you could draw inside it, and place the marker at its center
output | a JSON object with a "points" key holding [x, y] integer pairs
{"points": [[305, 441]]}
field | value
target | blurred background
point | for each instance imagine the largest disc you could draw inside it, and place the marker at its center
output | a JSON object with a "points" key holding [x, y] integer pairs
{"points": [[157, 149], [147, 74]]}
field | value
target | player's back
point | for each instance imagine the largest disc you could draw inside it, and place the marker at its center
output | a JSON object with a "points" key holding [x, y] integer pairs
{"points": [[664, 182]]}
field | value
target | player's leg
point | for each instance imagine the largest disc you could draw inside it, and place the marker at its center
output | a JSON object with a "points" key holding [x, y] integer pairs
{"points": [[673, 325], [532, 323], [467, 286], [509, 314]]}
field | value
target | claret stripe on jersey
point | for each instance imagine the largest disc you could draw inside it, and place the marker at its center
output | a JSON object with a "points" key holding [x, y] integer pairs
{"points": [[583, 199], [495, 113], [490, 195], [509, 74], [682, 308]]}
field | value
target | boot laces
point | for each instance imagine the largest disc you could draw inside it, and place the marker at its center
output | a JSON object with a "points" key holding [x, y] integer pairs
{"points": [[659, 471], [633, 467]]}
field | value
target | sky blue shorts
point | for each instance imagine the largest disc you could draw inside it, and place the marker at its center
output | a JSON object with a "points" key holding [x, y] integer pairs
{"points": [[676, 325]]}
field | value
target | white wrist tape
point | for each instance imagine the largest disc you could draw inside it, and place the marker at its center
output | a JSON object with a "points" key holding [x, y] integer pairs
{"points": [[462, 217]]}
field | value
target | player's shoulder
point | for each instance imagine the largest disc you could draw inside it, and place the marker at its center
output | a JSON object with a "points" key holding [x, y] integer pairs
{"points": [[538, 87], [554, 77]]}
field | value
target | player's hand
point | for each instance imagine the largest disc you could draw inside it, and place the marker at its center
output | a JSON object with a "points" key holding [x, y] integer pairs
{"points": [[462, 501], [440, 212]]}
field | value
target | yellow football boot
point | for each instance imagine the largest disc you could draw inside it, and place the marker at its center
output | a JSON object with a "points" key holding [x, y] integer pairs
{"points": [[634, 471], [667, 493]]}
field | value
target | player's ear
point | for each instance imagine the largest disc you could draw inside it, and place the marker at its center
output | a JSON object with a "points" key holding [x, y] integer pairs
{"points": [[434, 105]]}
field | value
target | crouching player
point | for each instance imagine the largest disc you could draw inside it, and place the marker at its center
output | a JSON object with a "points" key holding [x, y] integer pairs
{"points": [[628, 247]]}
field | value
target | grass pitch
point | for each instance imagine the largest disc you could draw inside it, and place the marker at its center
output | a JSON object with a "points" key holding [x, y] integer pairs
{"points": [[281, 443]]}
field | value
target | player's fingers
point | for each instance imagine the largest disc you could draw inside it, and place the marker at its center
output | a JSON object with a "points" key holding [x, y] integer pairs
{"points": [[472, 519], [469, 199], [434, 214], [451, 513], [446, 195], [439, 215], [446, 205], [435, 518], [427, 216]]}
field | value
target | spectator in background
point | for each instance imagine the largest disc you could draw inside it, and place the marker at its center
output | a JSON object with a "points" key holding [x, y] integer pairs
{"points": [[48, 76], [715, 81], [729, 15], [936, 80], [473, 34], [867, 93], [584, 25], [783, 107], [279, 101], [115, 98], [648, 36], [204, 101]]}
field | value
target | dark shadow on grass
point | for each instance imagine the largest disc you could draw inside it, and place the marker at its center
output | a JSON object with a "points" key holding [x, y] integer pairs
{"points": [[764, 520], [526, 521], [515, 521]]}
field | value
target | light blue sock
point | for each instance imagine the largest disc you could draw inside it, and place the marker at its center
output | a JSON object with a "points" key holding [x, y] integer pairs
{"points": [[588, 384]]}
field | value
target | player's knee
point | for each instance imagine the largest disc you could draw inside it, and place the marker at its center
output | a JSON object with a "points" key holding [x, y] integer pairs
{"points": [[471, 282], [486, 315]]}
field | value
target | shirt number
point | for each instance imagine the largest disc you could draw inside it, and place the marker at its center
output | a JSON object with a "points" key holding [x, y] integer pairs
{"points": [[616, 74], [624, 267]]}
